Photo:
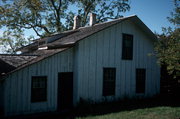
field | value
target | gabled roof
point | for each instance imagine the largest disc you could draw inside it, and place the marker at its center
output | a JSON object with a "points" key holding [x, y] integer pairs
{"points": [[65, 40]]}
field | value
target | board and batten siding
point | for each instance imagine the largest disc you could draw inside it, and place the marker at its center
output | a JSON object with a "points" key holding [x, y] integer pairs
{"points": [[86, 60], [18, 84], [104, 49], [1, 97]]}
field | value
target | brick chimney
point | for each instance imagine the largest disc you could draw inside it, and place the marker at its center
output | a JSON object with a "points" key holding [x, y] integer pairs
{"points": [[92, 19], [76, 22]]}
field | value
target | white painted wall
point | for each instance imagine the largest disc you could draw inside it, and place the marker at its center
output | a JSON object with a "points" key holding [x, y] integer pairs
{"points": [[18, 84], [86, 59], [104, 49]]}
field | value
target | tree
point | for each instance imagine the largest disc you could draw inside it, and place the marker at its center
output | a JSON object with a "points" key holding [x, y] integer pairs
{"points": [[46, 17], [11, 40], [105, 9], [168, 45]]}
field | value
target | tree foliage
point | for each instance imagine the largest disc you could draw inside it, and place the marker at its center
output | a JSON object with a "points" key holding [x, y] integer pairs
{"points": [[168, 46], [46, 17], [11, 40]]}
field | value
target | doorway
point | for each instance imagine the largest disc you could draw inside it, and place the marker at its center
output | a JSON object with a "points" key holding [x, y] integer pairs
{"points": [[65, 90]]}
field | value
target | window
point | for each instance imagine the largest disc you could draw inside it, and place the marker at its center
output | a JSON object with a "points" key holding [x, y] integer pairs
{"points": [[140, 80], [39, 88], [127, 47], [109, 77]]}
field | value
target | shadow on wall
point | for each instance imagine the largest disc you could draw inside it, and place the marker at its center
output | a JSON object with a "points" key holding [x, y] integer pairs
{"points": [[1, 99]]}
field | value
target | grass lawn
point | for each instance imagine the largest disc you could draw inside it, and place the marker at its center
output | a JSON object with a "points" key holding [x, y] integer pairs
{"points": [[162, 112]]}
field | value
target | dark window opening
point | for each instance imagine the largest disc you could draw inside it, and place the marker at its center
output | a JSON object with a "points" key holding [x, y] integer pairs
{"points": [[140, 80], [109, 77], [39, 89], [127, 47]]}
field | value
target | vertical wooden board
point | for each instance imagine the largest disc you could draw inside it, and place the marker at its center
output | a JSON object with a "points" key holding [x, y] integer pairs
{"points": [[118, 47], [8, 94], [123, 67], [82, 69], [61, 62], [133, 68], [54, 85], [19, 92], [27, 78], [136, 60], [129, 65], [99, 65], [112, 46], [106, 48], [28, 85], [54, 99], [75, 69], [86, 69], [92, 67], [69, 63], [50, 85], [25, 89], [138, 50], [14, 93], [87, 65]]}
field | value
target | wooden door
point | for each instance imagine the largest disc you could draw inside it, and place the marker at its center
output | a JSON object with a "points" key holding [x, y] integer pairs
{"points": [[65, 90]]}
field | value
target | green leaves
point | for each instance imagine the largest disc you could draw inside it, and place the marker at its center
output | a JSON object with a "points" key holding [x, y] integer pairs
{"points": [[168, 50], [12, 40], [47, 17], [168, 45]]}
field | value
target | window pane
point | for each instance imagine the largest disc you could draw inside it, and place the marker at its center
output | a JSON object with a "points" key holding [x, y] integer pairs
{"points": [[109, 76], [140, 80], [39, 89], [127, 48]]}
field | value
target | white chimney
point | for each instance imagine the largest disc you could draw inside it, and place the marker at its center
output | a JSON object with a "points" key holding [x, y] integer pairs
{"points": [[92, 19], [76, 22]]}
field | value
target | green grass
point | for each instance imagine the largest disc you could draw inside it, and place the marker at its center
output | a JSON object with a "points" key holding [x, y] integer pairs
{"points": [[162, 112]]}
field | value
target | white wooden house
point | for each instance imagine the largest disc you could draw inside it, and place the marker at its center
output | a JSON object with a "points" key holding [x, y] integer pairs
{"points": [[105, 61]]}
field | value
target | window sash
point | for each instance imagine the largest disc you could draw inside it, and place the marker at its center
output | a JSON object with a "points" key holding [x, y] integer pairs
{"points": [[127, 47], [109, 77], [39, 88], [140, 80]]}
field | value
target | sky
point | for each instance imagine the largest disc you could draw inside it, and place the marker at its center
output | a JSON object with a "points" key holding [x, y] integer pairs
{"points": [[153, 13]]}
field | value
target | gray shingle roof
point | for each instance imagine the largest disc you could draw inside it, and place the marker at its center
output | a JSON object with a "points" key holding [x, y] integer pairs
{"points": [[16, 60]]}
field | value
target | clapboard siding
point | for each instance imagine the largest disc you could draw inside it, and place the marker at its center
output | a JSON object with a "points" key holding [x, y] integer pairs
{"points": [[104, 49], [18, 84]]}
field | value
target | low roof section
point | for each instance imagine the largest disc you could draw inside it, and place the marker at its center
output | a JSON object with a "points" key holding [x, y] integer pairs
{"points": [[9, 62]]}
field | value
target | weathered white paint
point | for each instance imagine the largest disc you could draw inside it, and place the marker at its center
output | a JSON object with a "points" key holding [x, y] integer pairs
{"points": [[103, 49], [18, 84], [87, 59]]}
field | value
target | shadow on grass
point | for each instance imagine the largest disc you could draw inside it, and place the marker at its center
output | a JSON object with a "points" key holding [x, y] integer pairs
{"points": [[86, 109]]}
